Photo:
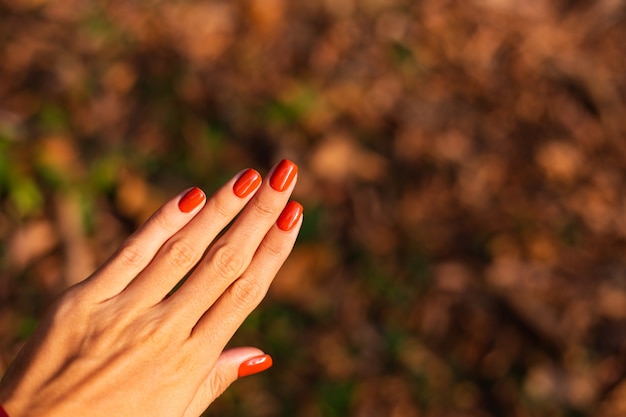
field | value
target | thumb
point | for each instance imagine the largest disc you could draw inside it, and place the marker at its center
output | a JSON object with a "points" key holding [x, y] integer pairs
{"points": [[231, 364]]}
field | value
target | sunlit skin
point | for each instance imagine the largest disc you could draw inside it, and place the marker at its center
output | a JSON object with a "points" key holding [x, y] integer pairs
{"points": [[117, 345]]}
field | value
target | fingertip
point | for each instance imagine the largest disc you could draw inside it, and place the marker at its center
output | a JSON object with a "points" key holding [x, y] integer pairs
{"points": [[230, 365], [283, 175], [290, 216], [242, 361], [255, 365], [191, 200], [247, 182]]}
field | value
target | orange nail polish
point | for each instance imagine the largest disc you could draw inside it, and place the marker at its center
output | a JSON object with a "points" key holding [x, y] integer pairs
{"points": [[246, 183], [290, 216], [191, 200], [283, 175], [255, 365]]}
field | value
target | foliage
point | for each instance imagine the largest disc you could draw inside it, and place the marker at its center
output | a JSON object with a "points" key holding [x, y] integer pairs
{"points": [[461, 168]]}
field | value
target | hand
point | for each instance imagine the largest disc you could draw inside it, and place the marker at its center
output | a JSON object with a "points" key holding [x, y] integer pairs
{"points": [[117, 345]]}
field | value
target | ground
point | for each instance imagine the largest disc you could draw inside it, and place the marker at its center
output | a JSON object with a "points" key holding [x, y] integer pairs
{"points": [[462, 166]]}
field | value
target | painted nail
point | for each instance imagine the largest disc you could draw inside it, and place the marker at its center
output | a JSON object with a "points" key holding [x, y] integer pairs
{"points": [[191, 200], [290, 216], [255, 365], [246, 183], [283, 175]]}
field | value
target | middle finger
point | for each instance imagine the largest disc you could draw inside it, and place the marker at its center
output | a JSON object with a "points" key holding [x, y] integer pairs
{"points": [[184, 249]]}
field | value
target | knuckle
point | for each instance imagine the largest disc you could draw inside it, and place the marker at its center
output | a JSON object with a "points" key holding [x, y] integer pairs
{"points": [[262, 209], [71, 308], [217, 384], [222, 209], [163, 221], [229, 260], [67, 306], [247, 293], [181, 254], [272, 249], [131, 255]]}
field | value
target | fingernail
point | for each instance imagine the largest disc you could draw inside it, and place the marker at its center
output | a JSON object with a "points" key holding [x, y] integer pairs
{"points": [[283, 175], [246, 183], [255, 365], [290, 216], [191, 200]]}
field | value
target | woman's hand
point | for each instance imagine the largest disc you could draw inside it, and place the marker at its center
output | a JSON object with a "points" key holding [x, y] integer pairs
{"points": [[117, 344]]}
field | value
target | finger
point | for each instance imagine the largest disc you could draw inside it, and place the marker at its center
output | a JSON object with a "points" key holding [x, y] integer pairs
{"points": [[183, 250], [232, 364], [231, 255], [141, 247], [221, 321]]}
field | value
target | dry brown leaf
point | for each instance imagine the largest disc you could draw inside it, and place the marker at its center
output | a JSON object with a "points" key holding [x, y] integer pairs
{"points": [[340, 158], [30, 242]]}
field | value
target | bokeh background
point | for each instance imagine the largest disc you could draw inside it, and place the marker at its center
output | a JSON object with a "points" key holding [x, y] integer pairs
{"points": [[462, 167]]}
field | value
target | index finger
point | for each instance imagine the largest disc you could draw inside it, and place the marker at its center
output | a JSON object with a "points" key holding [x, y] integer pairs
{"points": [[141, 247]]}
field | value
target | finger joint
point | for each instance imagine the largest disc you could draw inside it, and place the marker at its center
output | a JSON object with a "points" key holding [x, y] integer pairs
{"points": [[131, 255], [263, 209], [230, 261], [247, 293], [181, 254]]}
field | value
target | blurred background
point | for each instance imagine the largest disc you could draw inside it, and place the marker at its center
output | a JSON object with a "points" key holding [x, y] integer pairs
{"points": [[462, 167]]}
